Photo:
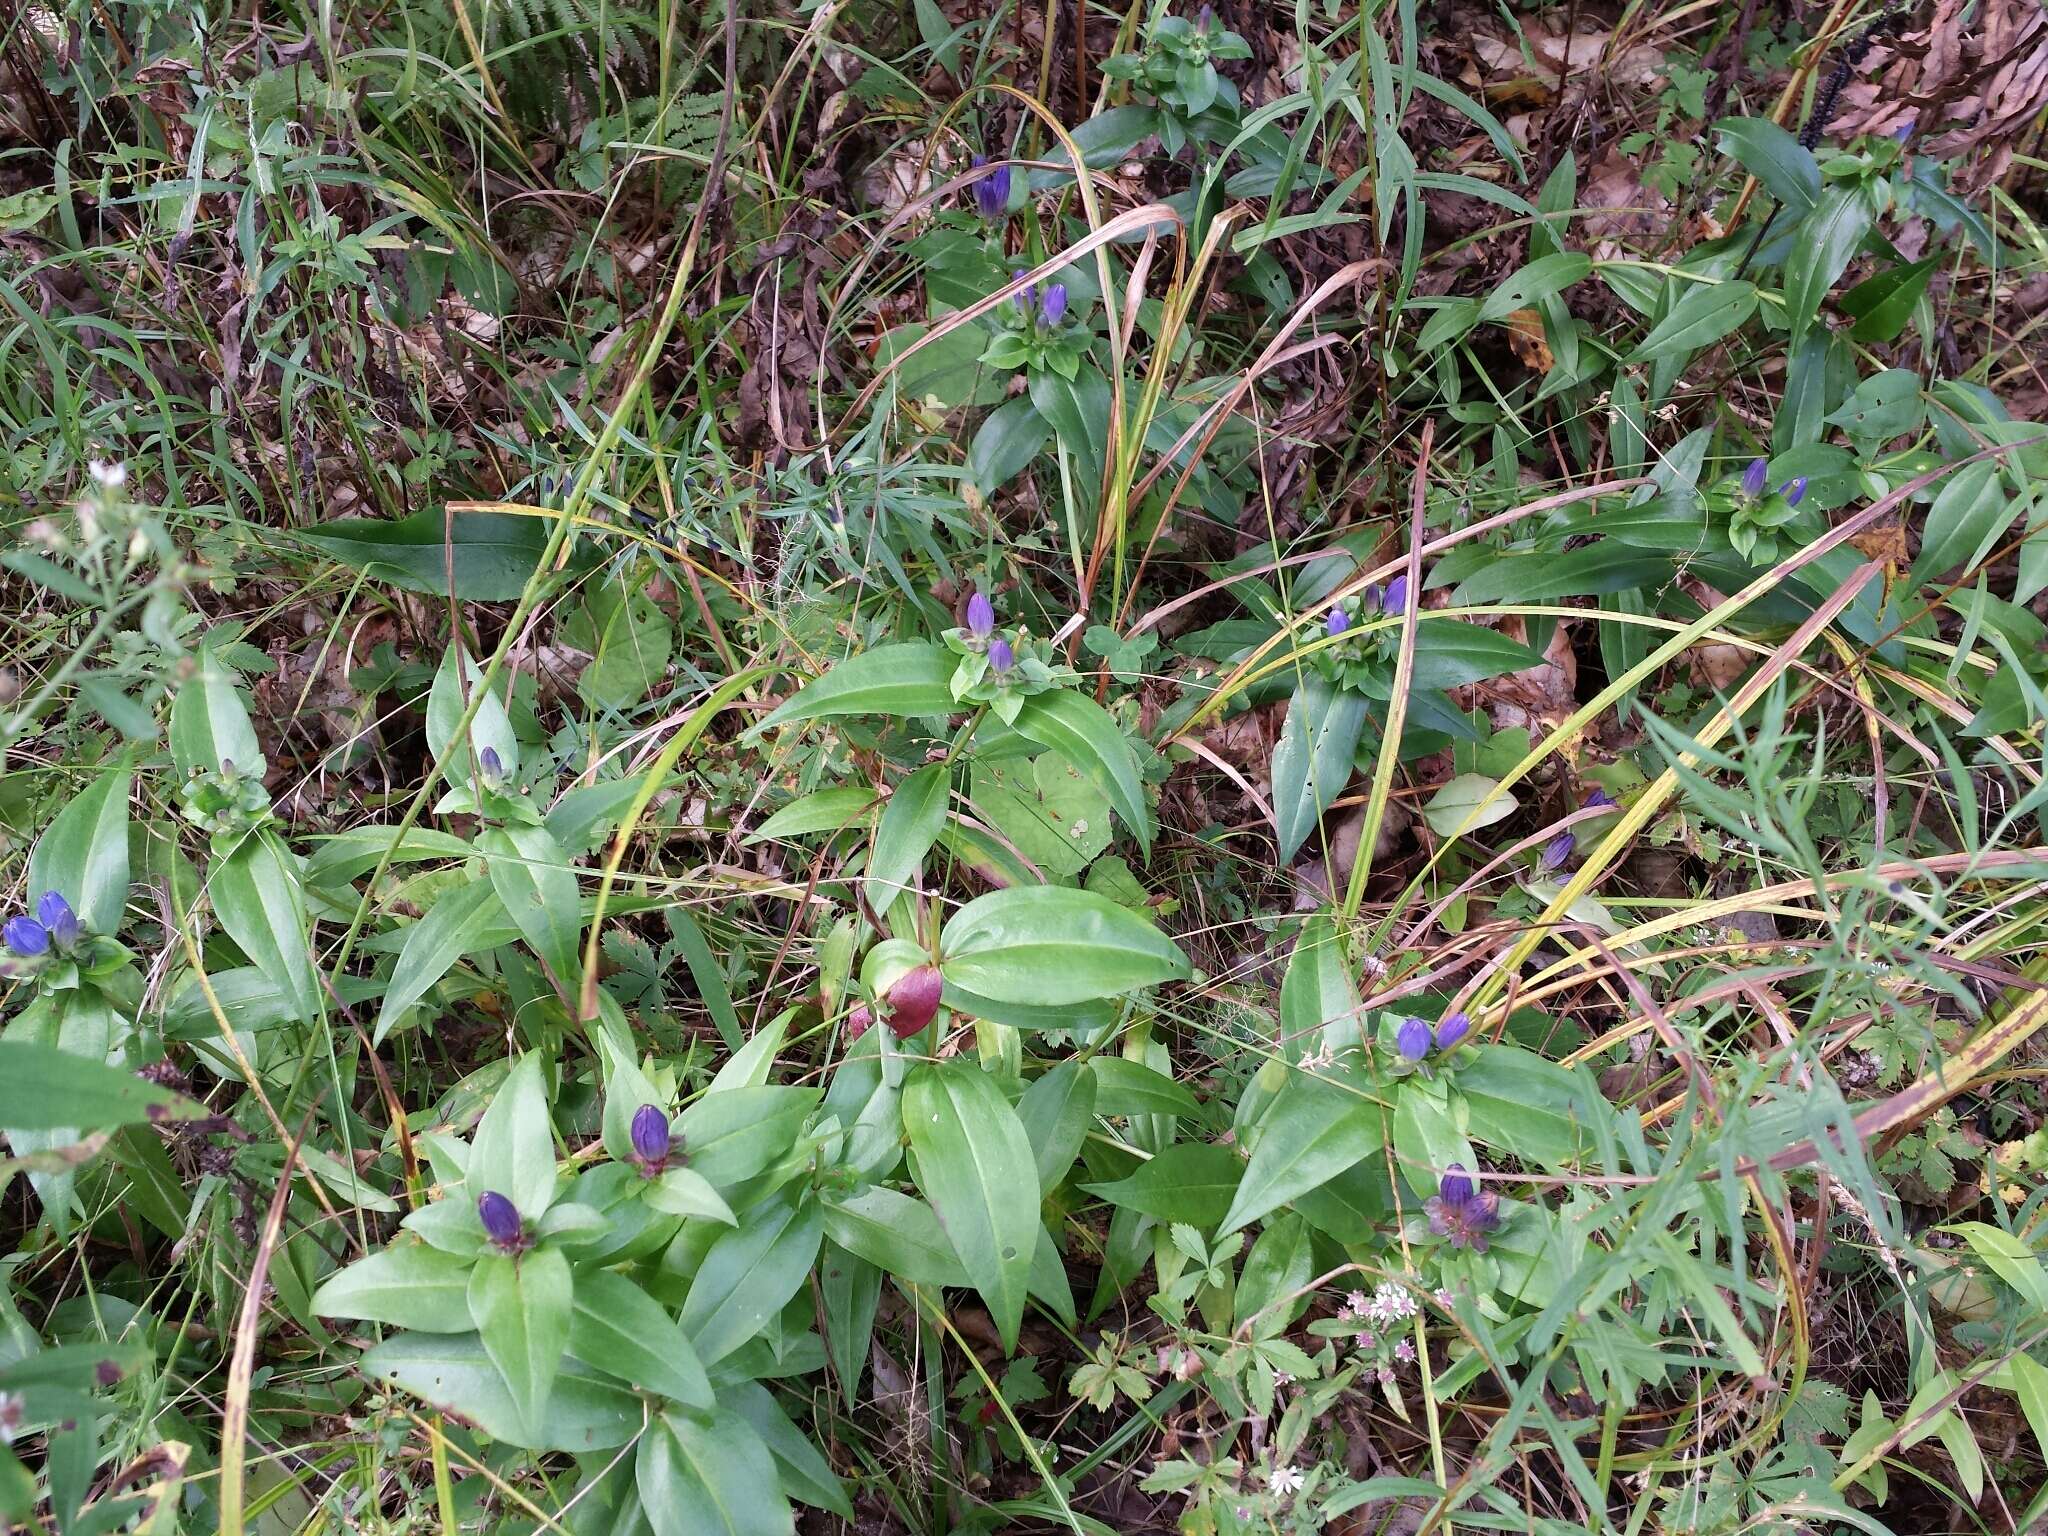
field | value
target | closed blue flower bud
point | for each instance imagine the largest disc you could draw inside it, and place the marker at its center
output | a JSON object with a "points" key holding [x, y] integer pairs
{"points": [[1000, 657], [1452, 1030], [1053, 307], [1372, 599], [1905, 130], [1599, 800], [992, 192], [1412, 1040], [1556, 851], [1792, 490], [651, 1138], [490, 767], [56, 916], [1456, 1184], [1336, 623], [26, 937], [1027, 296], [1755, 478], [981, 616], [1397, 594], [501, 1220]]}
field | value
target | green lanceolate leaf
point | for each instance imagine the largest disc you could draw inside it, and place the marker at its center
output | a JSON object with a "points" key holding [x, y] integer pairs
{"points": [[408, 1284], [586, 1410], [514, 1148], [210, 727], [44, 1088], [492, 554], [1191, 1181], [909, 678], [491, 727], [1312, 763], [1822, 248], [452, 928], [257, 898], [1318, 999], [1086, 734], [974, 1163], [709, 1476], [1048, 946], [621, 1330], [521, 1305], [910, 825], [534, 883], [749, 1274], [899, 1235], [84, 852], [1056, 1111], [1311, 1133], [1704, 313]]}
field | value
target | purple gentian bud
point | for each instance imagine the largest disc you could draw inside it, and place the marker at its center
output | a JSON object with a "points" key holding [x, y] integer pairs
{"points": [[992, 192], [913, 1000], [1412, 1039], [1053, 307], [651, 1138], [1905, 130], [1373, 599], [501, 1221], [56, 916], [1462, 1213], [1397, 594], [1555, 852], [1456, 1184], [981, 616], [1754, 478], [1452, 1031], [1792, 490], [1000, 657], [1599, 800], [490, 767], [26, 937], [1336, 623], [1027, 296]]}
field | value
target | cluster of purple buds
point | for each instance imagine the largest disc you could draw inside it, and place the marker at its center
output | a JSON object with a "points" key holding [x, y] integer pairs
{"points": [[1415, 1040], [1045, 307], [653, 1143], [501, 1222], [54, 925], [1461, 1211], [1757, 477], [992, 191], [1392, 598]]}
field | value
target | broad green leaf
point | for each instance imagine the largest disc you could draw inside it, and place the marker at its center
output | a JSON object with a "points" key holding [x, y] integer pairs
{"points": [[1884, 406], [619, 1328], [1881, 305], [1191, 1181], [2008, 1257], [454, 683], [1272, 1288], [1529, 1107], [805, 1473], [974, 1163], [1538, 280], [911, 819], [908, 678], [44, 1088], [210, 726], [522, 1307], [1086, 735], [84, 852], [494, 554], [733, 1134], [898, 1235], [1124, 1087], [409, 1285], [686, 1192], [1312, 763], [749, 1274], [1774, 157], [1312, 1132], [1056, 1111], [1704, 313], [629, 641], [1450, 653], [1822, 247], [1319, 1001], [513, 1151], [586, 1411], [1467, 803], [1427, 1141], [709, 1476], [1044, 809], [1050, 947], [537, 889], [1011, 437], [1969, 513], [829, 810], [256, 896], [452, 928]]}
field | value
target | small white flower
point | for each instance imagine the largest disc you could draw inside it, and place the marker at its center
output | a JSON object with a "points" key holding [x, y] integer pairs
{"points": [[1285, 1481], [107, 476], [1282, 1379]]}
